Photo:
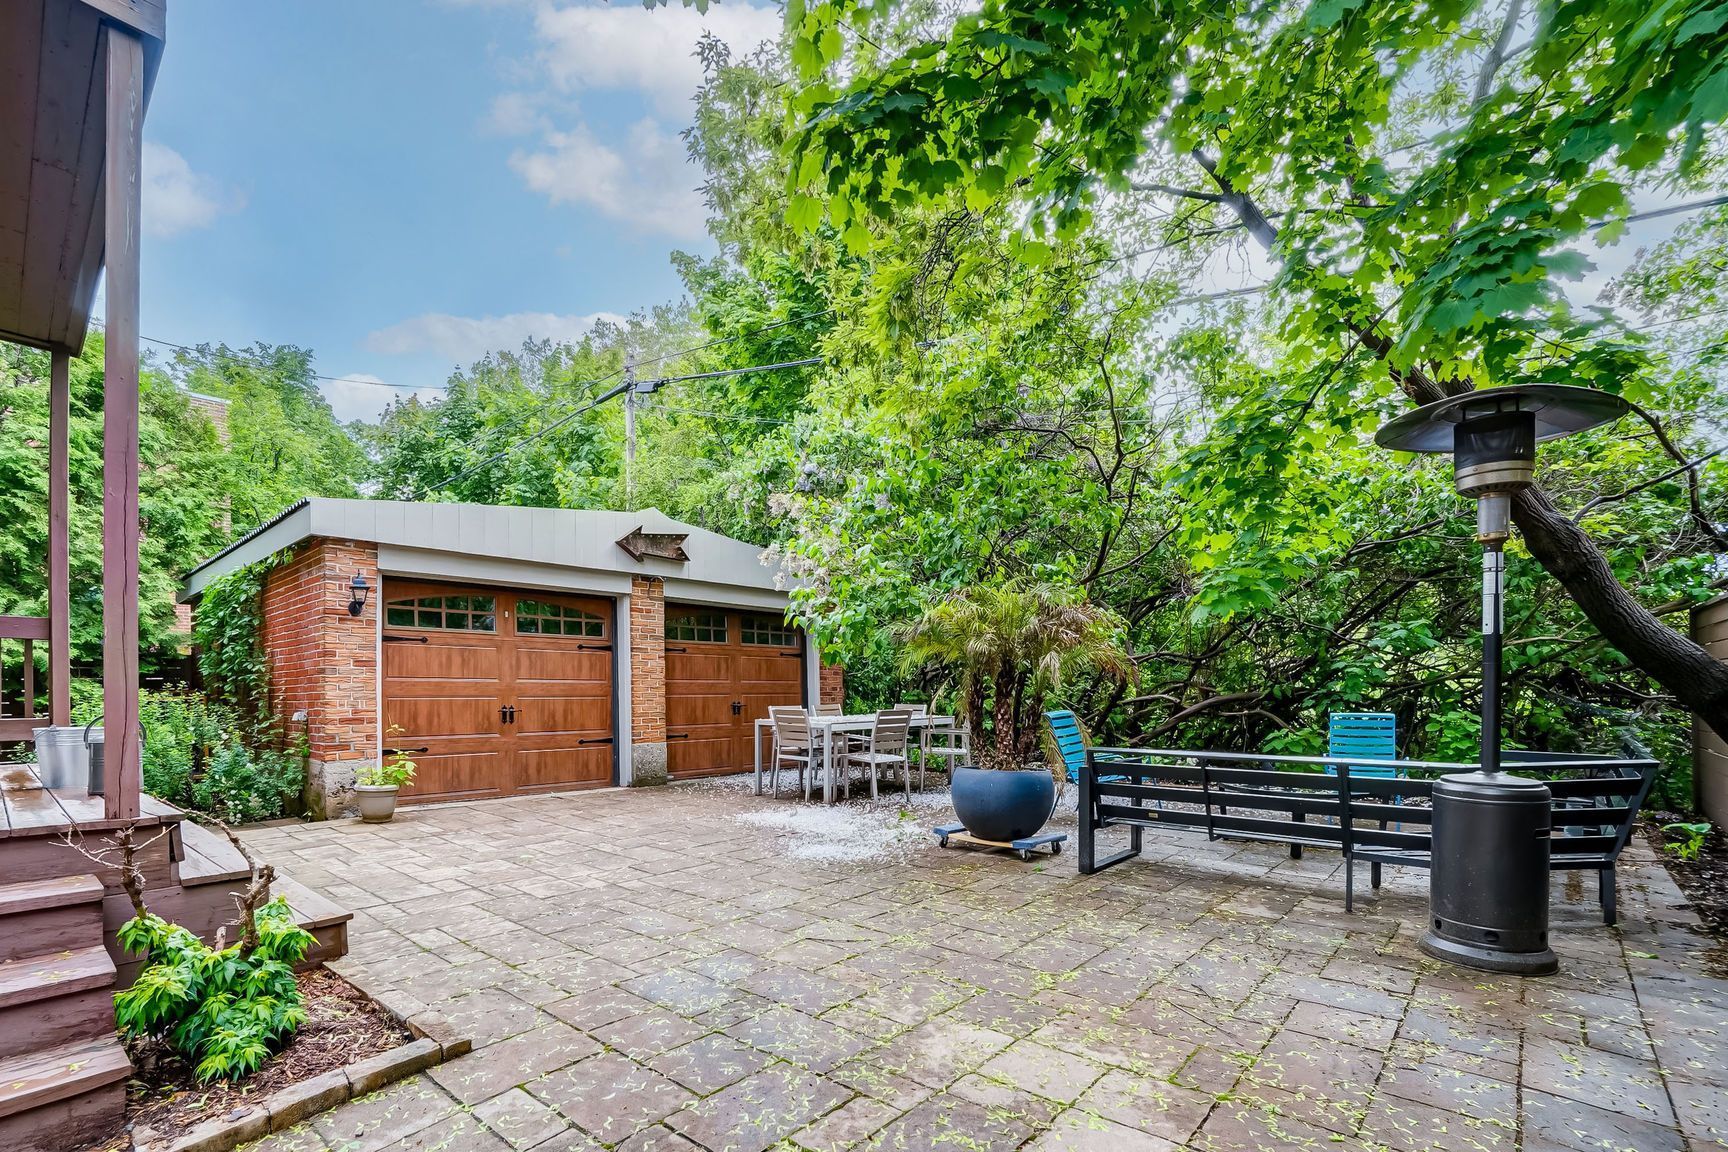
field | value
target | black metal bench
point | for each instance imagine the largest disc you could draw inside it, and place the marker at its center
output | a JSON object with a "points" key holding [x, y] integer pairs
{"points": [[1372, 819]]}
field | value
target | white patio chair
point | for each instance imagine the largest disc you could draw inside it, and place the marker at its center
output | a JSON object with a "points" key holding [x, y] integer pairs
{"points": [[793, 747], [830, 710], [884, 746], [945, 740]]}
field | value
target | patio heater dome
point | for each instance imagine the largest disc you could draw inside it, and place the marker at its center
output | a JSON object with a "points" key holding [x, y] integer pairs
{"points": [[1488, 880], [1492, 434]]}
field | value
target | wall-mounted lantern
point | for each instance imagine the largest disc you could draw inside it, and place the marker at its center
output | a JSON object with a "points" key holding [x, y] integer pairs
{"points": [[1488, 880], [357, 589]]}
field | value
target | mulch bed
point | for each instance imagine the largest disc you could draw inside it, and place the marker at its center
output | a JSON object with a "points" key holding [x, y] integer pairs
{"points": [[342, 1026], [1704, 879]]}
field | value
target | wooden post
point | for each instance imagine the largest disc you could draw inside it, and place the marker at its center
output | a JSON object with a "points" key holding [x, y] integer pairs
{"points": [[124, 55], [59, 539]]}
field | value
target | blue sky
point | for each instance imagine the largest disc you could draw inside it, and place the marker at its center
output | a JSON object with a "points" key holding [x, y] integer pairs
{"points": [[403, 184]]}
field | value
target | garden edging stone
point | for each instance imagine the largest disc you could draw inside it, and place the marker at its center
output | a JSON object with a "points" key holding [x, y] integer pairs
{"points": [[288, 1106]]}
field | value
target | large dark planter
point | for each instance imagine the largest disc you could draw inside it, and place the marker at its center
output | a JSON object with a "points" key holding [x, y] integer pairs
{"points": [[997, 805]]}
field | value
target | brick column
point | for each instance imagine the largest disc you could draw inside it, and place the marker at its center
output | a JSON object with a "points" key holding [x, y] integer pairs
{"points": [[831, 685], [647, 681], [324, 664]]}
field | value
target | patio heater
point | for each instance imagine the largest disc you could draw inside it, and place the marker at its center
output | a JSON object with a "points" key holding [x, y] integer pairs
{"points": [[1488, 880]]}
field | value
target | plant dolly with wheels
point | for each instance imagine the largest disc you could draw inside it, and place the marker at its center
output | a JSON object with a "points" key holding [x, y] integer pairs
{"points": [[1022, 848]]}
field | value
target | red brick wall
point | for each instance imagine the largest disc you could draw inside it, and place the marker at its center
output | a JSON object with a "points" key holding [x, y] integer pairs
{"points": [[323, 661], [831, 685], [647, 660]]}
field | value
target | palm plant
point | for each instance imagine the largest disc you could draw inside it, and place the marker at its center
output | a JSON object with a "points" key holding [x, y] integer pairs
{"points": [[1012, 646]]}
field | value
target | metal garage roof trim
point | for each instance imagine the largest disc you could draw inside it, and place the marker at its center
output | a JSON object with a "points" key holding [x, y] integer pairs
{"points": [[584, 539]]}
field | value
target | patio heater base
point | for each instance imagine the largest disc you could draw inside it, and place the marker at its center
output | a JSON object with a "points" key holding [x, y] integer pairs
{"points": [[1543, 963], [1488, 881]]}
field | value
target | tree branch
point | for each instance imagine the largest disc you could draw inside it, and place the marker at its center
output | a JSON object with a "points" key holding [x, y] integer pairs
{"points": [[1497, 56], [1172, 190]]}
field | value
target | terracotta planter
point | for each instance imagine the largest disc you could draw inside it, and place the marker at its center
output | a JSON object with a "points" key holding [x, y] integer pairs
{"points": [[377, 802]]}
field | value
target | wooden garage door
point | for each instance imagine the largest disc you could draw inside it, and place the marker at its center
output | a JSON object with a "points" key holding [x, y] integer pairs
{"points": [[498, 692], [723, 670]]}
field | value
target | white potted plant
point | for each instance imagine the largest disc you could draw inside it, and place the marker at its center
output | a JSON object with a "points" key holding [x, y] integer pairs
{"points": [[375, 785]]}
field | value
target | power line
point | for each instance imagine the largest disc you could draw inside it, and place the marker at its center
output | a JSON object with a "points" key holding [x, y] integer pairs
{"points": [[646, 386], [526, 440], [242, 357]]}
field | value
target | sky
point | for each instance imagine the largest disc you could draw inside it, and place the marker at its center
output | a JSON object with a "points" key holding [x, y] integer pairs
{"points": [[404, 185]]}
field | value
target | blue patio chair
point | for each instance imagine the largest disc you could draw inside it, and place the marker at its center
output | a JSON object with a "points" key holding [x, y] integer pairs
{"points": [[1370, 735], [1065, 726]]}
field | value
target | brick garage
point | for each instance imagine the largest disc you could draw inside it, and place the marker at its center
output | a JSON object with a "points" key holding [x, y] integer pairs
{"points": [[520, 649]]}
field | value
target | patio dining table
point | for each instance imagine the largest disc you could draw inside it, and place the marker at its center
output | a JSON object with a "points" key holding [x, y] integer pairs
{"points": [[827, 729]]}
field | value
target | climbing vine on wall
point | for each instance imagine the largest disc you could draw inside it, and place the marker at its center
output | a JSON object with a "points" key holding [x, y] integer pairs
{"points": [[228, 632]]}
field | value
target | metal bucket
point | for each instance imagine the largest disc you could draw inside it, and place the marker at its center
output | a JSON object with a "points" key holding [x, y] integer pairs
{"points": [[63, 757]]}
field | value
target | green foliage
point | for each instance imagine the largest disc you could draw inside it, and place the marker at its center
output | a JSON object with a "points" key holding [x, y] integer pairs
{"points": [[181, 494], [205, 756], [225, 1011], [283, 440], [1686, 841], [228, 630], [396, 771], [1012, 647], [242, 785]]}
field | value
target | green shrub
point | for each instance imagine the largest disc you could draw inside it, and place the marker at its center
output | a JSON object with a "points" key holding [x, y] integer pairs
{"points": [[239, 786], [224, 1011], [202, 754]]}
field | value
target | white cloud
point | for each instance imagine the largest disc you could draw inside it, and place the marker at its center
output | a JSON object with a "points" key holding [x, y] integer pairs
{"points": [[648, 50], [465, 339], [640, 175], [515, 114], [177, 199], [646, 182]]}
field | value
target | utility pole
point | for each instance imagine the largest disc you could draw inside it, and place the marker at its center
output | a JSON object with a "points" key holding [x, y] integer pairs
{"points": [[629, 436]]}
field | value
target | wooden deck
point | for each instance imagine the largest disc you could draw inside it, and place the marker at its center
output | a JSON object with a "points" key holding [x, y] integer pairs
{"points": [[28, 809], [192, 874]]}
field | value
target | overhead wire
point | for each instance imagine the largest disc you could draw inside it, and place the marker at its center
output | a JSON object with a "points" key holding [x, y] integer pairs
{"points": [[645, 386]]}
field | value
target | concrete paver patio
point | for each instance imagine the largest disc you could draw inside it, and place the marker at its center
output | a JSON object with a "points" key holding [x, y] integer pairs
{"points": [[643, 971]]}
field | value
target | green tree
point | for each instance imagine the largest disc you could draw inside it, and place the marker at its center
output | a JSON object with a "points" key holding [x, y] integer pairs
{"points": [[183, 484], [1406, 262], [284, 442]]}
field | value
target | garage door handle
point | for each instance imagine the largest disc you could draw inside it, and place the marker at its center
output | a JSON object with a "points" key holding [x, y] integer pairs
{"points": [[595, 647], [596, 740], [404, 639], [678, 736]]}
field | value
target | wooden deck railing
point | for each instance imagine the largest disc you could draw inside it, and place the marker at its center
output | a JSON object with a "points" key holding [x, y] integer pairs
{"points": [[19, 719]]}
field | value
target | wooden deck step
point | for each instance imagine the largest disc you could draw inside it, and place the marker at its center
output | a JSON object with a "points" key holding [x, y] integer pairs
{"points": [[57, 1073], [208, 858], [52, 915], [37, 895], [44, 977], [310, 909], [60, 1097], [326, 921]]}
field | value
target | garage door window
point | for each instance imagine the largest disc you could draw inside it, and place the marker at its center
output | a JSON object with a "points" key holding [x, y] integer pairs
{"points": [[701, 627], [534, 618], [444, 613], [767, 630]]}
